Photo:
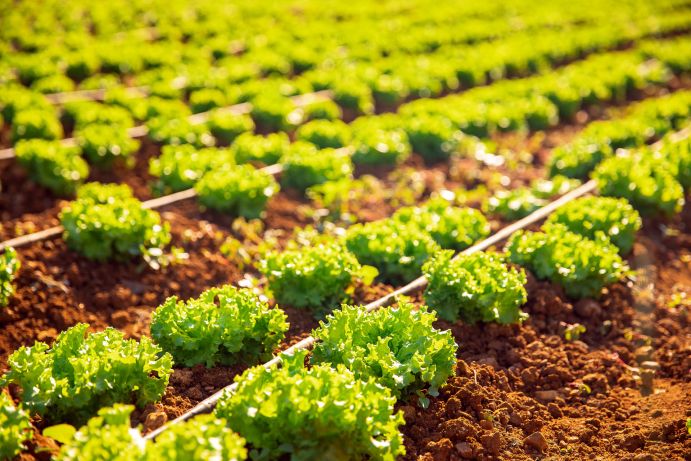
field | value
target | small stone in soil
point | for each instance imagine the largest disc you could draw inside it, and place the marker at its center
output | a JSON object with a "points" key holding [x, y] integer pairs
{"points": [[587, 308], [536, 440], [515, 419], [464, 450], [155, 420], [485, 424], [492, 442], [547, 396]]}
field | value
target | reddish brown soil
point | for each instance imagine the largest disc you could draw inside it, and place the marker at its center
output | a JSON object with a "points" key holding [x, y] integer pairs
{"points": [[519, 391], [512, 381]]}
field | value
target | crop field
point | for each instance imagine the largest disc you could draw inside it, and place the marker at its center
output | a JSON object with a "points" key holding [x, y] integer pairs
{"points": [[334, 231]]}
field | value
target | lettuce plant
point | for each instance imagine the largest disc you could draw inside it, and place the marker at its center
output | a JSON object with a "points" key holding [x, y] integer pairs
{"points": [[180, 167], [83, 372], [81, 64], [202, 438], [375, 145], [268, 149], [198, 439], [677, 154], [206, 99], [112, 426], [650, 186], [15, 428], [276, 113], [578, 158], [56, 83], [106, 222], [9, 266], [480, 287], [241, 190], [223, 325], [316, 277], [322, 110], [397, 346], [84, 113], [104, 144], [15, 99], [162, 109], [588, 216], [389, 89], [307, 414], [36, 123], [451, 227], [433, 137], [517, 203], [581, 265], [304, 166], [354, 95], [226, 127], [178, 131], [397, 250], [325, 133], [59, 168]]}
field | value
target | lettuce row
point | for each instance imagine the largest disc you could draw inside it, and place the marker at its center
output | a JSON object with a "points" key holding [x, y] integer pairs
{"points": [[646, 121]]}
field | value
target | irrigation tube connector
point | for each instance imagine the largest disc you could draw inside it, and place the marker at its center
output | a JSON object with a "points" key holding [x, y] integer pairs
{"points": [[140, 131], [209, 403]]}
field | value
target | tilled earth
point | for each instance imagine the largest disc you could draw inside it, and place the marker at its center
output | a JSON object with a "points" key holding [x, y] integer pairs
{"points": [[619, 391]]}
